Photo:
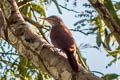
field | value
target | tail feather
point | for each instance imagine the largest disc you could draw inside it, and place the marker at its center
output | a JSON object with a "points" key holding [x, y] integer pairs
{"points": [[72, 62]]}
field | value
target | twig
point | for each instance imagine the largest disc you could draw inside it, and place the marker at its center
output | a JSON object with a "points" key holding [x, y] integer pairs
{"points": [[82, 31], [68, 9], [57, 6]]}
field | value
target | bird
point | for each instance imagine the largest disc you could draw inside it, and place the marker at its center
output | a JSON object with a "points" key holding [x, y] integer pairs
{"points": [[62, 38]]}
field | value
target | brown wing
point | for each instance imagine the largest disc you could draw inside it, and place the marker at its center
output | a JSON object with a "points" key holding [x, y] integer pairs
{"points": [[62, 38]]}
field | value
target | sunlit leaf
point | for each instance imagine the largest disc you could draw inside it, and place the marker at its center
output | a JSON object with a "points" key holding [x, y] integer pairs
{"points": [[39, 9], [12, 73], [29, 14]]}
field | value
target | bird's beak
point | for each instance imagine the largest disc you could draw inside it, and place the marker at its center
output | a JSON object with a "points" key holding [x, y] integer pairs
{"points": [[44, 19]]}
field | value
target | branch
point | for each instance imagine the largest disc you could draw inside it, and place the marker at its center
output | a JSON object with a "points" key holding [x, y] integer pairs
{"points": [[3, 25], [108, 19], [34, 48], [39, 27], [22, 3]]}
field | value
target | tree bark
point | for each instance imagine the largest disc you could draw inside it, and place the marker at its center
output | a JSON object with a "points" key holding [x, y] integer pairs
{"points": [[34, 48]]}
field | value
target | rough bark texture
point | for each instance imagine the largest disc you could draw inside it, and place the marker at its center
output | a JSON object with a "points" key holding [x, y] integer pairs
{"points": [[34, 48], [108, 19]]}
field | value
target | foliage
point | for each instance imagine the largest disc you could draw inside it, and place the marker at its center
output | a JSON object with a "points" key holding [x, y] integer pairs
{"points": [[104, 38], [14, 66]]}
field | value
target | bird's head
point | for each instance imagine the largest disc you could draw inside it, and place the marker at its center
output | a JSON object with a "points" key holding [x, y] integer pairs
{"points": [[53, 20]]}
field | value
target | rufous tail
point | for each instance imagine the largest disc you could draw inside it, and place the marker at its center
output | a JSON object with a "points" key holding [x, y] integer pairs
{"points": [[72, 61]]}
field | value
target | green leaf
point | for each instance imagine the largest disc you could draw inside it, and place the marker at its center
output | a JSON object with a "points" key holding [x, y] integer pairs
{"points": [[110, 76], [115, 53], [94, 29], [99, 41], [24, 10], [12, 73], [29, 14], [107, 39], [2, 48], [39, 9], [111, 62]]}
